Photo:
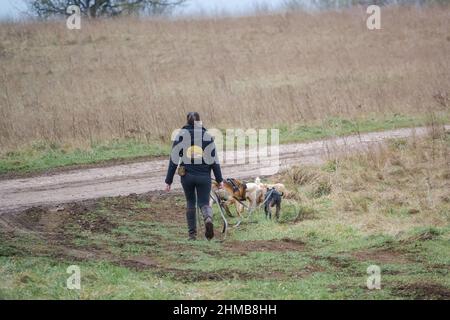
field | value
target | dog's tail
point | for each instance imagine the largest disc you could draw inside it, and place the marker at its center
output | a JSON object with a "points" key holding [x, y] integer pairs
{"points": [[258, 181]]}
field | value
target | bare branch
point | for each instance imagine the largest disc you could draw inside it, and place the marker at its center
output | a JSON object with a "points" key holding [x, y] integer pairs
{"points": [[96, 8]]}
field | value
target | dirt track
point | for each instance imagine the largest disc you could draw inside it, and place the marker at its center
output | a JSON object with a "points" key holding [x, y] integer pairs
{"points": [[141, 177]]}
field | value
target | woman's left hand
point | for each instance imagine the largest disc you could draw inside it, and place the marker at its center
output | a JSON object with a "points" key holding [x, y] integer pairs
{"points": [[167, 187]]}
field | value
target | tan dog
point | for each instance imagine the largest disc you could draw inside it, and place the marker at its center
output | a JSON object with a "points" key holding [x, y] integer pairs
{"points": [[278, 186], [233, 192]]}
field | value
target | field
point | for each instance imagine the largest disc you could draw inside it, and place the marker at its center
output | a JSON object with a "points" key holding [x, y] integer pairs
{"points": [[388, 206], [117, 88], [114, 91]]}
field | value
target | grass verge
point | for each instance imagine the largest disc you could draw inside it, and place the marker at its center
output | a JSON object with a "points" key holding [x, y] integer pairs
{"points": [[44, 156]]}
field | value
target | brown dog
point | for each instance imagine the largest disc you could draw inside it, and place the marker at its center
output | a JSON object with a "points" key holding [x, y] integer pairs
{"points": [[233, 192]]}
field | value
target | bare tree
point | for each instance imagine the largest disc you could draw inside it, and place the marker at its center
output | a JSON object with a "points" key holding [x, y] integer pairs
{"points": [[97, 8]]}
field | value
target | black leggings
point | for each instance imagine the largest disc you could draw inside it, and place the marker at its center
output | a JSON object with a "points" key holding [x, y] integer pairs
{"points": [[196, 187]]}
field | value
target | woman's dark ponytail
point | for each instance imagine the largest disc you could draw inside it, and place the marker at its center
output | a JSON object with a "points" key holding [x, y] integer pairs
{"points": [[192, 117]]}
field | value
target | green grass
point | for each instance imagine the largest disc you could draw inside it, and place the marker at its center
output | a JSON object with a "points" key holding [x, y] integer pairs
{"points": [[337, 274], [44, 156], [44, 278], [342, 127], [325, 265]]}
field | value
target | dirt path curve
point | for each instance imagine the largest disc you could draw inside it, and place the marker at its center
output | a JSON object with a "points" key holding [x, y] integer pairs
{"points": [[141, 177]]}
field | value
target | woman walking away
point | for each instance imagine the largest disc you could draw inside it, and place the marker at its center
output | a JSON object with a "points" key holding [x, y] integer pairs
{"points": [[194, 153]]}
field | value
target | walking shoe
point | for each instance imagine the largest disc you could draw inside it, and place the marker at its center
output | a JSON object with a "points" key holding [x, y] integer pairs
{"points": [[207, 217], [209, 229]]}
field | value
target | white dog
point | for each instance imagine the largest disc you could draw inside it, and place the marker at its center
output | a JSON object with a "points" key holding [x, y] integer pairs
{"points": [[255, 193]]}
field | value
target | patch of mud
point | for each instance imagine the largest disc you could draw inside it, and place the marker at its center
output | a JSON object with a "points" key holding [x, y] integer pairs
{"points": [[158, 207], [339, 262], [422, 291], [183, 275], [381, 256], [443, 269], [81, 254], [99, 224], [139, 263], [52, 221], [423, 236], [28, 220], [282, 245], [187, 276], [41, 219], [346, 261], [48, 229]]}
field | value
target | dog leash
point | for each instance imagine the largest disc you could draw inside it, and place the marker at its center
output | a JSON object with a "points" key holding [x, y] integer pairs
{"points": [[267, 198], [225, 222], [245, 206], [251, 210]]}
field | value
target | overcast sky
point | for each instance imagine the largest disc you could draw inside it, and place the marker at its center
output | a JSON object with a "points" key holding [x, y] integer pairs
{"points": [[12, 8]]}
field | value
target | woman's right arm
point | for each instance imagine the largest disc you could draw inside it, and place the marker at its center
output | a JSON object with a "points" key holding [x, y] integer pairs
{"points": [[217, 172]]}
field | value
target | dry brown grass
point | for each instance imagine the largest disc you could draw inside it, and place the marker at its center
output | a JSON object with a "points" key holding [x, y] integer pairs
{"points": [[129, 78], [390, 188]]}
